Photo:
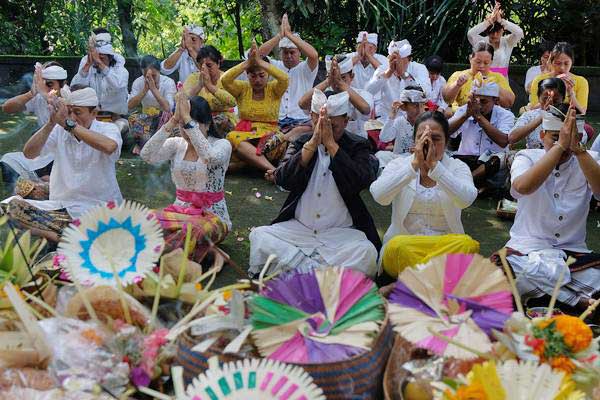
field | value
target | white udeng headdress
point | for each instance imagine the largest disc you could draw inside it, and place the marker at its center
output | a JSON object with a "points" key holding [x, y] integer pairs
{"points": [[402, 47], [54, 72], [286, 43], [85, 97], [490, 89], [336, 104], [371, 37], [196, 30]]}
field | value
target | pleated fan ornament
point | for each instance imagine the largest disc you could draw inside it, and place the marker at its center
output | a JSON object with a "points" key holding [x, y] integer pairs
{"points": [[324, 315]]}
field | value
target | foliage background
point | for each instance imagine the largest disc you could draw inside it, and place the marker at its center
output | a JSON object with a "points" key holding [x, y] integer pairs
{"points": [[61, 27]]}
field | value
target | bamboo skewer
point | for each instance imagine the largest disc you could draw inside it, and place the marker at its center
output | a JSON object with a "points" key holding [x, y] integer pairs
{"points": [[589, 310], [511, 280], [460, 345]]}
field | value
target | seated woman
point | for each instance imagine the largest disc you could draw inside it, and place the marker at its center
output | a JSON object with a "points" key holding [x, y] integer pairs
{"points": [[256, 138], [529, 124], [561, 61], [553, 187], [155, 92], [427, 190], [460, 83], [398, 129], [199, 161], [491, 30], [207, 83]]}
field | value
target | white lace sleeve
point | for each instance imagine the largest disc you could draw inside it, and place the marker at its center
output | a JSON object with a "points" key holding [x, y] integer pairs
{"points": [[160, 147], [216, 153]]}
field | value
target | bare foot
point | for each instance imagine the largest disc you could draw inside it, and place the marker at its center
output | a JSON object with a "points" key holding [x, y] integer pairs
{"points": [[270, 175]]}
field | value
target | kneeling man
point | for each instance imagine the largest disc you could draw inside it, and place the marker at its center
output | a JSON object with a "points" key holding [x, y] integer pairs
{"points": [[553, 187], [85, 152], [323, 221]]}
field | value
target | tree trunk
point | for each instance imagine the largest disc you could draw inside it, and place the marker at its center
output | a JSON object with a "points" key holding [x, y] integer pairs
{"points": [[125, 13], [271, 13], [238, 27]]}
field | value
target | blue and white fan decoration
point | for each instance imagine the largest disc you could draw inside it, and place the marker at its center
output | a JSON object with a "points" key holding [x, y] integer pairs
{"points": [[124, 239], [254, 379]]}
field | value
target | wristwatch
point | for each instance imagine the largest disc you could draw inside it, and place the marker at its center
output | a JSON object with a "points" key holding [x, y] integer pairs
{"points": [[190, 125], [70, 124]]}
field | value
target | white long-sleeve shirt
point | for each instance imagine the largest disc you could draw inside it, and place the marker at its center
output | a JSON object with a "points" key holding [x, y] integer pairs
{"points": [[185, 66], [110, 85], [390, 88], [398, 182], [507, 43], [166, 88]]}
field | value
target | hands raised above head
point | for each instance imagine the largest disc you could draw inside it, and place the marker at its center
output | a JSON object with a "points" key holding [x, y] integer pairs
{"points": [[285, 28]]}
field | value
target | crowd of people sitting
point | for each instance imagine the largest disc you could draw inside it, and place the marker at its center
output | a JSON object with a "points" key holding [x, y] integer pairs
{"points": [[389, 125]]}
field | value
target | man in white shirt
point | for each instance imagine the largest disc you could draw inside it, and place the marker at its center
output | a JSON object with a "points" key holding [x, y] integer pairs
{"points": [[302, 75], [339, 79], [104, 71], [183, 60], [85, 152], [553, 187], [47, 78], [389, 81], [366, 60], [484, 127], [323, 221]]}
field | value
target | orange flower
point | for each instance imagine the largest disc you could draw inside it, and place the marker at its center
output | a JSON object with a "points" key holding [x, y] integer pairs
{"points": [[563, 363], [576, 334], [473, 391], [92, 336]]}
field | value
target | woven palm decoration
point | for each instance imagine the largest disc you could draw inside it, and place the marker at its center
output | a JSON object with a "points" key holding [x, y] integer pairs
{"points": [[124, 239], [324, 315], [254, 380]]}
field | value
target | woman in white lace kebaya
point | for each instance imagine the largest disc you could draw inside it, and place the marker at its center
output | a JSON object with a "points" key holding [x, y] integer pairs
{"points": [[199, 161]]}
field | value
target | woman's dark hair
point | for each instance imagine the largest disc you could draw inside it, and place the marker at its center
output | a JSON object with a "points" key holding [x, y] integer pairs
{"points": [[552, 83], [256, 68], [562, 48], [545, 46], [434, 64], [482, 46], [437, 117], [495, 27], [100, 30], [200, 112], [149, 61], [210, 52]]}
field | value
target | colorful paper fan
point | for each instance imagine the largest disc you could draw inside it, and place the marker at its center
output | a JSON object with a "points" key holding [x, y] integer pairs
{"points": [[126, 238], [460, 296], [324, 315], [254, 380]]}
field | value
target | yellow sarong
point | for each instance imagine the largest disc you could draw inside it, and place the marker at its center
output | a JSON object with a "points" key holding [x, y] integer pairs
{"points": [[409, 250]]}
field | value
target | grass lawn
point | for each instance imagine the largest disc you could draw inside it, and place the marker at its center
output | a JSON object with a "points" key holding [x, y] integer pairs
{"points": [[253, 202]]}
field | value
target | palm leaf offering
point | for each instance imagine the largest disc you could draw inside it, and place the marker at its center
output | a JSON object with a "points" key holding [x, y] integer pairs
{"points": [[324, 315], [254, 380]]}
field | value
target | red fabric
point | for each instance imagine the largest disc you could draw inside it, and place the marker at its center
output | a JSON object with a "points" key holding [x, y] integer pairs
{"points": [[198, 201], [374, 136]]}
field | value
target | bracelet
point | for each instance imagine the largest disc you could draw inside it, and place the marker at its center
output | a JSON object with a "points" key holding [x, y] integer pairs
{"points": [[561, 146]]}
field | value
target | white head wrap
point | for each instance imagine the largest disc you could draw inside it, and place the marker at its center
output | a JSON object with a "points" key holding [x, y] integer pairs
{"points": [[85, 97], [103, 43], [413, 96], [318, 100], [371, 37], [54, 72], [346, 66], [196, 30], [402, 47], [490, 89], [552, 120], [336, 104], [286, 43]]}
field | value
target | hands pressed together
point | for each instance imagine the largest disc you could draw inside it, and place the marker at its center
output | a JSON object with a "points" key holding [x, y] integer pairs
{"points": [[496, 15], [181, 115], [568, 137], [426, 156], [323, 132]]}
